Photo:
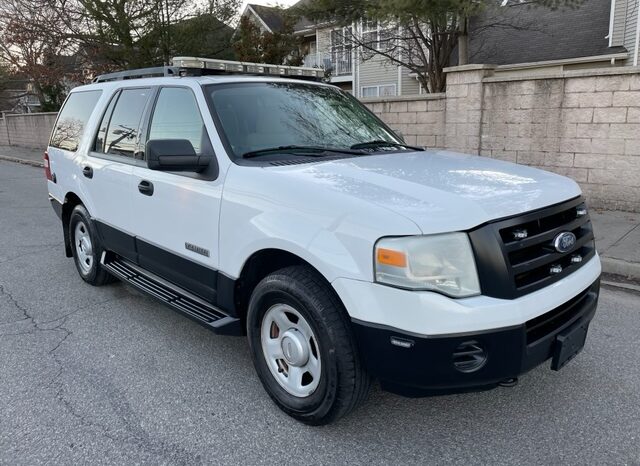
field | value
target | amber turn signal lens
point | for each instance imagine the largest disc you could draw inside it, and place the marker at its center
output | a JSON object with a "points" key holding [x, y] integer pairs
{"points": [[391, 257]]}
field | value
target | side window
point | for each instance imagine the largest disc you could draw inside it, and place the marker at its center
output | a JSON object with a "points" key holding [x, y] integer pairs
{"points": [[118, 132], [104, 124], [176, 116], [73, 118]]}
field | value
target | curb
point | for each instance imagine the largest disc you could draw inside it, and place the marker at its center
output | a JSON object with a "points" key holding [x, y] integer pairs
{"points": [[620, 267], [33, 163]]}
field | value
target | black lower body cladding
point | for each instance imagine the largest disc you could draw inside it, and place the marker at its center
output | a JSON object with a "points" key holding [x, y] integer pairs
{"points": [[413, 365]]}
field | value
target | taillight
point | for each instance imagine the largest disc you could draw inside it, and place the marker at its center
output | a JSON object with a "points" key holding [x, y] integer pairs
{"points": [[47, 166]]}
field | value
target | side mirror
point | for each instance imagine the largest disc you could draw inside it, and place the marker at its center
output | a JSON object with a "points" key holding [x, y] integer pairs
{"points": [[175, 155]]}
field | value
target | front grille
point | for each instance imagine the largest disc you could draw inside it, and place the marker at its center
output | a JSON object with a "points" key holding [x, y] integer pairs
{"points": [[525, 258], [531, 259], [548, 323]]}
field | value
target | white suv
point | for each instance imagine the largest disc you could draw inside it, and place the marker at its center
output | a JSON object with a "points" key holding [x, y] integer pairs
{"points": [[283, 209]]}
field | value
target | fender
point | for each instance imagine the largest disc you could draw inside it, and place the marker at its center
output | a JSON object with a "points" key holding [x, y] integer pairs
{"points": [[332, 231]]}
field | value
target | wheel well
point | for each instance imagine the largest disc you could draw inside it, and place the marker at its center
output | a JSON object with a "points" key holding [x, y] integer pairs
{"points": [[70, 201], [258, 266]]}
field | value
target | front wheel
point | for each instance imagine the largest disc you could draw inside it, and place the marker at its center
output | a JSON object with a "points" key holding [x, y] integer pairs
{"points": [[303, 348]]}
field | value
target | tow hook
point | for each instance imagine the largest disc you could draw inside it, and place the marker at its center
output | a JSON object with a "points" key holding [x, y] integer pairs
{"points": [[510, 382]]}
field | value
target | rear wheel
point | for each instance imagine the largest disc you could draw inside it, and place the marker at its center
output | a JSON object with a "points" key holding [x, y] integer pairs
{"points": [[303, 348], [86, 247]]}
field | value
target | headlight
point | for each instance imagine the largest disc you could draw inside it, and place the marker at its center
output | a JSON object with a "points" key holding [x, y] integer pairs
{"points": [[442, 263]]}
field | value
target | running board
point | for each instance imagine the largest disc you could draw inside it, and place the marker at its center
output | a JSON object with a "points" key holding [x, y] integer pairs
{"points": [[179, 299]]}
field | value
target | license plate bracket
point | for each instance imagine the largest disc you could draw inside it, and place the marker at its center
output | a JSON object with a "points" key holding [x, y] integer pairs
{"points": [[568, 344]]}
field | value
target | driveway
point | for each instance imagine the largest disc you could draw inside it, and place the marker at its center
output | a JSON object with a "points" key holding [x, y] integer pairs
{"points": [[106, 375]]}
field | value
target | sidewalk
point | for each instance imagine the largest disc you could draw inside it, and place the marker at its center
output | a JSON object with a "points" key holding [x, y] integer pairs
{"points": [[617, 233], [618, 242], [33, 157]]}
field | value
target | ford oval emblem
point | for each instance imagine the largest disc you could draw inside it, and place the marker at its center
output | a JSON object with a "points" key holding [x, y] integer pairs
{"points": [[564, 242]]}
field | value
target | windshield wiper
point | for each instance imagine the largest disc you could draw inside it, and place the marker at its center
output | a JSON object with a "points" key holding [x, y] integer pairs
{"points": [[380, 143], [312, 151]]}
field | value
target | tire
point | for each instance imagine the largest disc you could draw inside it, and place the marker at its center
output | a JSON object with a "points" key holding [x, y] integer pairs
{"points": [[335, 381], [86, 248]]}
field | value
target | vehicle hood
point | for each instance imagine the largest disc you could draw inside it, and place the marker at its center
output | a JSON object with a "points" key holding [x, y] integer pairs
{"points": [[440, 190]]}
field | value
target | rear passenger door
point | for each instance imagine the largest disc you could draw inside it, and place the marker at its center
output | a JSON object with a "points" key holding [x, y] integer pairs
{"points": [[176, 213], [107, 171]]}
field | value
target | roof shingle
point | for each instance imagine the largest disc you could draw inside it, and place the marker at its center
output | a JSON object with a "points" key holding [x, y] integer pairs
{"points": [[526, 33]]}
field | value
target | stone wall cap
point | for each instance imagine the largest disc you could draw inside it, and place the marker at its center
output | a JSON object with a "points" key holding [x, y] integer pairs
{"points": [[586, 73], [472, 67], [12, 115], [403, 98]]}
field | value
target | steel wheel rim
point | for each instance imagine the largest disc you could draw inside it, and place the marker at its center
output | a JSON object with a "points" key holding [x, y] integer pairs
{"points": [[84, 247], [291, 350]]}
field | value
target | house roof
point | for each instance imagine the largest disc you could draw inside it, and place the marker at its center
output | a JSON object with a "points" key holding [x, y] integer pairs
{"points": [[273, 19], [271, 16], [525, 33], [303, 23]]}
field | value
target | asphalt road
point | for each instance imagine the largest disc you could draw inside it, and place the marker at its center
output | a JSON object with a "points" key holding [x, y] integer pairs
{"points": [[106, 375]]}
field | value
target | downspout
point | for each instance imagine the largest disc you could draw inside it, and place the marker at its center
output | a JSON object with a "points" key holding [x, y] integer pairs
{"points": [[355, 57], [635, 58], [611, 22]]}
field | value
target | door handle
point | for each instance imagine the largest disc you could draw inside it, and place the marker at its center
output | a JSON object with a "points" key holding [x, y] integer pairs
{"points": [[87, 172], [146, 187]]}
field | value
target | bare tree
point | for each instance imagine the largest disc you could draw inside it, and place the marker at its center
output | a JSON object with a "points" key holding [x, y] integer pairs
{"points": [[56, 41], [27, 45]]}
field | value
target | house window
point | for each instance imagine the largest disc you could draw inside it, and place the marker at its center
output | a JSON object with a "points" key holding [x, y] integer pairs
{"points": [[341, 47], [382, 90], [377, 35], [387, 90], [369, 91]]}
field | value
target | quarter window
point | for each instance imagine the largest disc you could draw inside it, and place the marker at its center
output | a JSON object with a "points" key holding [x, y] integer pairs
{"points": [[177, 116], [118, 132], [73, 119]]}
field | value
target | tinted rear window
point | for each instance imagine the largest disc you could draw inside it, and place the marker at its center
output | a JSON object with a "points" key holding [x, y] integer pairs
{"points": [[73, 119]]}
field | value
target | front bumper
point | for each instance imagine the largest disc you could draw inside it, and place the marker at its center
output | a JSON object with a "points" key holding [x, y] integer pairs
{"points": [[426, 365]]}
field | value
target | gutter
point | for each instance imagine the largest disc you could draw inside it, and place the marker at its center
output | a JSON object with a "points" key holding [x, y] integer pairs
{"points": [[566, 61]]}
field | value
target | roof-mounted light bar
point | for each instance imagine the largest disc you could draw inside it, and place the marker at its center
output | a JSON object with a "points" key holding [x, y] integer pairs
{"points": [[212, 66], [194, 66]]}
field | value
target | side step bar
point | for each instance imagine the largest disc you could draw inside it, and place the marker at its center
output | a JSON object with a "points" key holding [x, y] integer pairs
{"points": [[179, 299]]}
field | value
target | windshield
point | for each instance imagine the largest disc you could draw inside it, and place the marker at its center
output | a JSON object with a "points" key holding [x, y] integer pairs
{"points": [[257, 116]]}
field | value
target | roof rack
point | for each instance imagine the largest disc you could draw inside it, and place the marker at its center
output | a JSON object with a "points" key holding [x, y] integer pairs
{"points": [[194, 66], [136, 74]]}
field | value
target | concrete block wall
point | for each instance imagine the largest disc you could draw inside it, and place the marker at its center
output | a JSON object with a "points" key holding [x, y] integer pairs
{"points": [[30, 130], [4, 135], [464, 107], [583, 124], [420, 119]]}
